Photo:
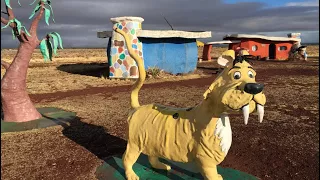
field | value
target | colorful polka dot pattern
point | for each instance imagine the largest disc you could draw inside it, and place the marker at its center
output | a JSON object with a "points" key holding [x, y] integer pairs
{"points": [[121, 64]]}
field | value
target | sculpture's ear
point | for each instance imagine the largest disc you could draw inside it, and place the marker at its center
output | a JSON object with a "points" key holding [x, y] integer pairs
{"points": [[226, 57], [223, 60]]}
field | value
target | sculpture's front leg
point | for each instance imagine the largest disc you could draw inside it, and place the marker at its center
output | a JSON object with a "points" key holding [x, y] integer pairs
{"points": [[209, 155], [208, 169]]}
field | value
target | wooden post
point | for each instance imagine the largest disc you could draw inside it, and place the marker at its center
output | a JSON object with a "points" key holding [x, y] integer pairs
{"points": [[206, 54]]}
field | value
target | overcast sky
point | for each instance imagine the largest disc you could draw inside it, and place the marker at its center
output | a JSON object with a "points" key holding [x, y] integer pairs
{"points": [[79, 20]]}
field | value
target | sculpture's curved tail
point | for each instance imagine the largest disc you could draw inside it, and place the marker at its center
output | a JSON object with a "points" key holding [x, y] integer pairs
{"points": [[142, 72]]}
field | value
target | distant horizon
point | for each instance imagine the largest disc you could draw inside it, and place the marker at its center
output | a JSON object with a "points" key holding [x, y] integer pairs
{"points": [[205, 40], [216, 45], [104, 47]]}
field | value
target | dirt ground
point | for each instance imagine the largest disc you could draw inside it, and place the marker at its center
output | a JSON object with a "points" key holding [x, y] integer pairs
{"points": [[284, 147]]}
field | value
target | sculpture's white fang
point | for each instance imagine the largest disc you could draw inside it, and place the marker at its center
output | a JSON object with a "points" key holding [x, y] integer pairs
{"points": [[245, 111], [260, 110]]}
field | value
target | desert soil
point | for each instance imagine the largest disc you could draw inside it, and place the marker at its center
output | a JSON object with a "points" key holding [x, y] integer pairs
{"points": [[284, 147]]}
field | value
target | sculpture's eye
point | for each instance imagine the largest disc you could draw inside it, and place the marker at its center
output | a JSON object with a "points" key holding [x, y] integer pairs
{"points": [[250, 74], [237, 75]]}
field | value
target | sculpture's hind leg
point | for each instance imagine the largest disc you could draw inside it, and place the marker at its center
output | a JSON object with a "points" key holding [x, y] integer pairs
{"points": [[129, 158], [155, 163]]}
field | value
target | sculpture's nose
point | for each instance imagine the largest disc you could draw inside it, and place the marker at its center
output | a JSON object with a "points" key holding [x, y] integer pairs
{"points": [[253, 88]]}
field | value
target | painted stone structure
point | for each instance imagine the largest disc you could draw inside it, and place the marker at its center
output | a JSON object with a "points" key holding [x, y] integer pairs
{"points": [[172, 51], [266, 47], [120, 63]]}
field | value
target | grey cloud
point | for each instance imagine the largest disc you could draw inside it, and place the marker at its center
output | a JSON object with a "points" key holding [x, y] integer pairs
{"points": [[78, 20], [304, 3]]}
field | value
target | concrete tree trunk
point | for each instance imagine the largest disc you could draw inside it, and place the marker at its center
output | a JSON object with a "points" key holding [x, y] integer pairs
{"points": [[16, 103]]}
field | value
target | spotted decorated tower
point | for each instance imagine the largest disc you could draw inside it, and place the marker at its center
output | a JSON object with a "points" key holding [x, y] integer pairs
{"points": [[120, 62]]}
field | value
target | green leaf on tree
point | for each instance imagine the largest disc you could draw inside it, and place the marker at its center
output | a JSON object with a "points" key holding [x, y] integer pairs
{"points": [[18, 23], [59, 37], [47, 15], [19, 27], [49, 46], [13, 35], [9, 22], [55, 42], [7, 2], [33, 2], [25, 30], [34, 11], [51, 12], [44, 50]]}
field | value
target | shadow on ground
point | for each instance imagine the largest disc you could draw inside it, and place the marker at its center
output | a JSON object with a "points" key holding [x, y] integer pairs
{"points": [[87, 69], [92, 137], [209, 70], [113, 169]]}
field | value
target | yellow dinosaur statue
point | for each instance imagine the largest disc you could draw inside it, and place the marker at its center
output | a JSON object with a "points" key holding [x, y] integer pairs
{"points": [[200, 135]]}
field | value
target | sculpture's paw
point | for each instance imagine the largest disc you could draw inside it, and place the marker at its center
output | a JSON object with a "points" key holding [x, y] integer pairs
{"points": [[155, 163], [132, 176], [167, 167], [218, 177], [162, 166]]}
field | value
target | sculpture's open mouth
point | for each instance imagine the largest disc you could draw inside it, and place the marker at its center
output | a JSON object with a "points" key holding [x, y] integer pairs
{"points": [[246, 111]]}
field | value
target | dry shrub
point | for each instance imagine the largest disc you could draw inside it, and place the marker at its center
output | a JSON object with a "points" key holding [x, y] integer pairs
{"points": [[154, 72]]}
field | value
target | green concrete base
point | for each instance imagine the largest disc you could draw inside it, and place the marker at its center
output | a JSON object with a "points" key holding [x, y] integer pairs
{"points": [[112, 169], [51, 117]]}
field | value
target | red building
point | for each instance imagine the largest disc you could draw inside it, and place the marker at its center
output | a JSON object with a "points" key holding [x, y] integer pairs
{"points": [[266, 47]]}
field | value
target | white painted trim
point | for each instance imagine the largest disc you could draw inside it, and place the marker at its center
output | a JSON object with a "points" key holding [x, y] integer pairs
{"points": [[161, 34], [126, 18], [223, 42], [270, 38], [172, 34]]}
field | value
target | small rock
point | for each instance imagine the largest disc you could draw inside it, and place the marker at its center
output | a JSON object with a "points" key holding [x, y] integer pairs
{"points": [[295, 106]]}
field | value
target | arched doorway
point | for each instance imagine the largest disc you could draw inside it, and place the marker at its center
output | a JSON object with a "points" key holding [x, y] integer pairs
{"points": [[272, 51]]}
